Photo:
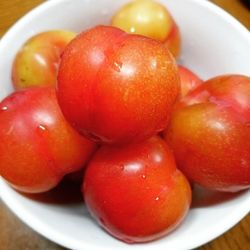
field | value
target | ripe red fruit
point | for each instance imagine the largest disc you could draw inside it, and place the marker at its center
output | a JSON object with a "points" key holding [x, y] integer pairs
{"points": [[210, 134], [151, 19], [36, 63], [115, 87], [189, 80], [135, 192], [38, 147]]}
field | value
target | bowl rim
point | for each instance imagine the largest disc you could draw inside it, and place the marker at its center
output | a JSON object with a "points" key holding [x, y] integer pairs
{"points": [[47, 4], [42, 228]]}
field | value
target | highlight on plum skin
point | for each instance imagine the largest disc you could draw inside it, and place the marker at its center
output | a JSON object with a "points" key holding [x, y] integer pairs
{"points": [[209, 133], [116, 87], [37, 61], [38, 147], [152, 19], [135, 192]]}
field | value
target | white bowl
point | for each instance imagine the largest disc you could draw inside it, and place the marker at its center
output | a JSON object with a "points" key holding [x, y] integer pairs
{"points": [[213, 43]]}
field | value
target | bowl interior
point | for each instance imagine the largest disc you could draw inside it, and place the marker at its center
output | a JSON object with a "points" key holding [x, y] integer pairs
{"points": [[213, 43]]}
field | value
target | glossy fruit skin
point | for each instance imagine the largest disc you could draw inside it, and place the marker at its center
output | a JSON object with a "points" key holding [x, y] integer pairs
{"points": [[135, 192], [189, 80], [117, 88], [209, 133], [151, 19], [38, 147], [173, 41], [36, 63]]}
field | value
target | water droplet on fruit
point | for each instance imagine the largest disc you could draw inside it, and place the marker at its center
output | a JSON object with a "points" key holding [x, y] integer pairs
{"points": [[127, 240], [157, 198], [132, 29], [117, 66], [43, 128], [11, 128], [93, 136], [244, 162], [102, 221], [143, 176], [4, 108]]}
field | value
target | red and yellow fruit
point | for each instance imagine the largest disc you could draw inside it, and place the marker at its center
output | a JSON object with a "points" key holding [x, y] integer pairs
{"points": [[189, 80], [210, 134], [36, 63], [151, 19], [135, 192], [115, 87], [38, 147]]}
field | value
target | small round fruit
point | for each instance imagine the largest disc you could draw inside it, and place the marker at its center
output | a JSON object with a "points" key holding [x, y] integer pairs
{"points": [[209, 133], [135, 192], [189, 80], [38, 147], [151, 19], [115, 87], [36, 63]]}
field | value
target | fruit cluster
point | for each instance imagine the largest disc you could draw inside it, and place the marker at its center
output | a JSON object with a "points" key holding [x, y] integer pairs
{"points": [[112, 102]]}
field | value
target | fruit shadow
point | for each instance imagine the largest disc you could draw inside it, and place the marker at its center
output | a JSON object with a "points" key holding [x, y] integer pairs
{"points": [[67, 192], [205, 198]]}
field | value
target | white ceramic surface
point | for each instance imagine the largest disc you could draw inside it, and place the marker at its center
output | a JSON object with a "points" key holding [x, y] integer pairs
{"points": [[213, 43]]}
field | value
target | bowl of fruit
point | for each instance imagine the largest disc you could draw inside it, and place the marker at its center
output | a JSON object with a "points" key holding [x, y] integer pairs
{"points": [[126, 124]]}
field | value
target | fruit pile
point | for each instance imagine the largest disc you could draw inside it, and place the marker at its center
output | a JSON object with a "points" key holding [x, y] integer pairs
{"points": [[112, 103]]}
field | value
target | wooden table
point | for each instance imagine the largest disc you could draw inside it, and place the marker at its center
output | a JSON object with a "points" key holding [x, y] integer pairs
{"points": [[14, 235]]}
